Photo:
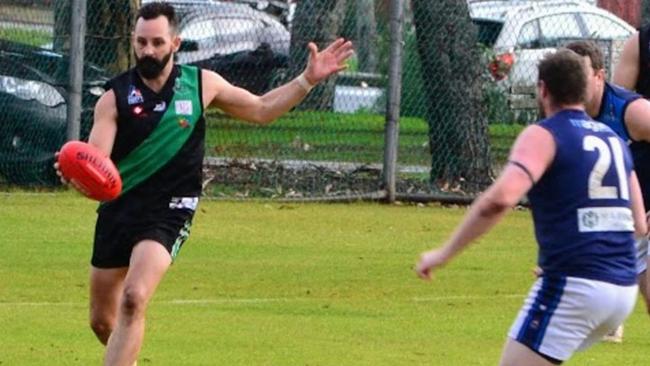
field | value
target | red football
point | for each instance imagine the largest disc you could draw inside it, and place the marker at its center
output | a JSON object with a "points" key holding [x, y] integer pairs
{"points": [[90, 169]]}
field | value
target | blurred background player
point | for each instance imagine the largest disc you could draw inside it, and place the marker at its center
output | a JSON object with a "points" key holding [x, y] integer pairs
{"points": [[585, 213], [628, 114]]}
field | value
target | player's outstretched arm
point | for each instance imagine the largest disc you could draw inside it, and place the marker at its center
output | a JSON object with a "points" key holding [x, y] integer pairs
{"points": [[240, 103], [626, 71], [531, 155]]}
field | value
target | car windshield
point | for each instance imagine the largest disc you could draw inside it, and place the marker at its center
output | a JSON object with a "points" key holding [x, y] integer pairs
{"points": [[488, 31]]}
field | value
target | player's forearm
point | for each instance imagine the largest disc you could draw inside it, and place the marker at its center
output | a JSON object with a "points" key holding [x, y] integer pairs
{"points": [[482, 216], [282, 99]]}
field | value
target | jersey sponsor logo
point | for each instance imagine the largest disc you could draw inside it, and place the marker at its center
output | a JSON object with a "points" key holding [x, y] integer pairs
{"points": [[184, 107], [590, 125], [160, 107], [599, 219], [189, 203], [135, 95]]}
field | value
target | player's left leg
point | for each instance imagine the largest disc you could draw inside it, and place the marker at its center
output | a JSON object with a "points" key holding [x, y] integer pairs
{"points": [[149, 262]]}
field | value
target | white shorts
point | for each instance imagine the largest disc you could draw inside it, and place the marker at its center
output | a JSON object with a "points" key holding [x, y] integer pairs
{"points": [[641, 255], [565, 315]]}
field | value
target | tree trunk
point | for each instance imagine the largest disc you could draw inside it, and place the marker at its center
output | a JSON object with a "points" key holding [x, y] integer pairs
{"points": [[108, 32], [62, 11], [108, 41], [315, 21], [452, 78], [366, 35]]}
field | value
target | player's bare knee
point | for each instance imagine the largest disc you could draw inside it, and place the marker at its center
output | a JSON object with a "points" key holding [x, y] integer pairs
{"points": [[134, 302], [102, 328]]}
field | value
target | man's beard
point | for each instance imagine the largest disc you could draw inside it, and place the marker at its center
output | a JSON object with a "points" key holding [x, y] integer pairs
{"points": [[149, 67]]}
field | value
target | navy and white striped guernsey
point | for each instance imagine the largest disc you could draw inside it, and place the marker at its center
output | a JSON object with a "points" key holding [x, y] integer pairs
{"points": [[581, 205]]}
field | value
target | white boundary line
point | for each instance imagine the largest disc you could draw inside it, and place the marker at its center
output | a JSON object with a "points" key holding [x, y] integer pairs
{"points": [[261, 300]]}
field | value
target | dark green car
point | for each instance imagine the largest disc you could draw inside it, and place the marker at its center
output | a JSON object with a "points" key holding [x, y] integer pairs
{"points": [[33, 110]]}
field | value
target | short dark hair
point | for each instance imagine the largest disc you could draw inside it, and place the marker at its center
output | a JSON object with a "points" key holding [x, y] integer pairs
{"points": [[563, 73], [157, 9], [589, 49]]}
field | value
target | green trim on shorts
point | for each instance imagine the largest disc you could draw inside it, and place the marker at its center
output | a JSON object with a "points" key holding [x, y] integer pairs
{"points": [[183, 234]]}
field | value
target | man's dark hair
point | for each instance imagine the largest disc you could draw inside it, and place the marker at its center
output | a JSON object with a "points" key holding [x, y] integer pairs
{"points": [[563, 73], [157, 9], [589, 49]]}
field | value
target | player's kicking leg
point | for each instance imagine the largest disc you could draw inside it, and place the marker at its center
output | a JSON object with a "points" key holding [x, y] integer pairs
{"points": [[149, 262]]}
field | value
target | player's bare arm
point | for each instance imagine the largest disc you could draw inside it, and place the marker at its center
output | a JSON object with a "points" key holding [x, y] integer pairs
{"points": [[531, 155], [626, 71], [637, 120], [238, 102], [102, 134]]}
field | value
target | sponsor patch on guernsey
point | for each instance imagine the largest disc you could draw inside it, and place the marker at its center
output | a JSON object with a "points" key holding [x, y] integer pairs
{"points": [[135, 95], [599, 219], [184, 107]]}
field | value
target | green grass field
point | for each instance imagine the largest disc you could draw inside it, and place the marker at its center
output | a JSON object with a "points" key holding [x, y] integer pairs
{"points": [[280, 284], [355, 137]]}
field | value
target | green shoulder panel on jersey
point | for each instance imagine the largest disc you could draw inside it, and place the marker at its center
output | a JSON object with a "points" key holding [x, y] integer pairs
{"points": [[173, 130]]}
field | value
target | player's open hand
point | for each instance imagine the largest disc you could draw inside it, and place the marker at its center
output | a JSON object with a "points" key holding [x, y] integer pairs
{"points": [[430, 261], [331, 60]]}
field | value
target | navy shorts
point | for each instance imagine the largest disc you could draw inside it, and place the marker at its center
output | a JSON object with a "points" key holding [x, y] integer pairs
{"points": [[123, 224]]}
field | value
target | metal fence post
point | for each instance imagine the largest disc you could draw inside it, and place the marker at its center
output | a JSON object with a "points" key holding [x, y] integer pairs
{"points": [[391, 139], [77, 36]]}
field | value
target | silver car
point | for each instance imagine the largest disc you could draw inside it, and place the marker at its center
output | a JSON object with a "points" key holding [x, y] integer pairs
{"points": [[218, 28], [519, 33]]}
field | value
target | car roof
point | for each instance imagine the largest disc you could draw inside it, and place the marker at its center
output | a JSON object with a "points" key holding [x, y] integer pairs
{"points": [[223, 10], [517, 13], [500, 10], [195, 8]]}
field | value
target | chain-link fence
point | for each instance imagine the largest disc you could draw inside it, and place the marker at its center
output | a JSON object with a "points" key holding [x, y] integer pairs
{"points": [[468, 77]]}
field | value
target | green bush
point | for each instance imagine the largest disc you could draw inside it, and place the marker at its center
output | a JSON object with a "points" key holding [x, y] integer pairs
{"points": [[30, 37]]}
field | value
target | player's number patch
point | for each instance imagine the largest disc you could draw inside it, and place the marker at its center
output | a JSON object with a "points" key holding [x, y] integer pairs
{"points": [[603, 165]]}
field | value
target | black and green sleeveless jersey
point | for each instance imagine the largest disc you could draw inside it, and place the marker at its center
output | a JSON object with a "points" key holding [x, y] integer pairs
{"points": [[158, 148]]}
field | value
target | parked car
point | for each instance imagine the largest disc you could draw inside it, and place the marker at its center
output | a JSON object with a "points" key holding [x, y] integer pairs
{"points": [[33, 104], [241, 43], [519, 33], [283, 10]]}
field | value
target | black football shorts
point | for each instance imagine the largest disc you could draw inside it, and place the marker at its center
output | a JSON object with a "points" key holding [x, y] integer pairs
{"points": [[123, 224]]}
